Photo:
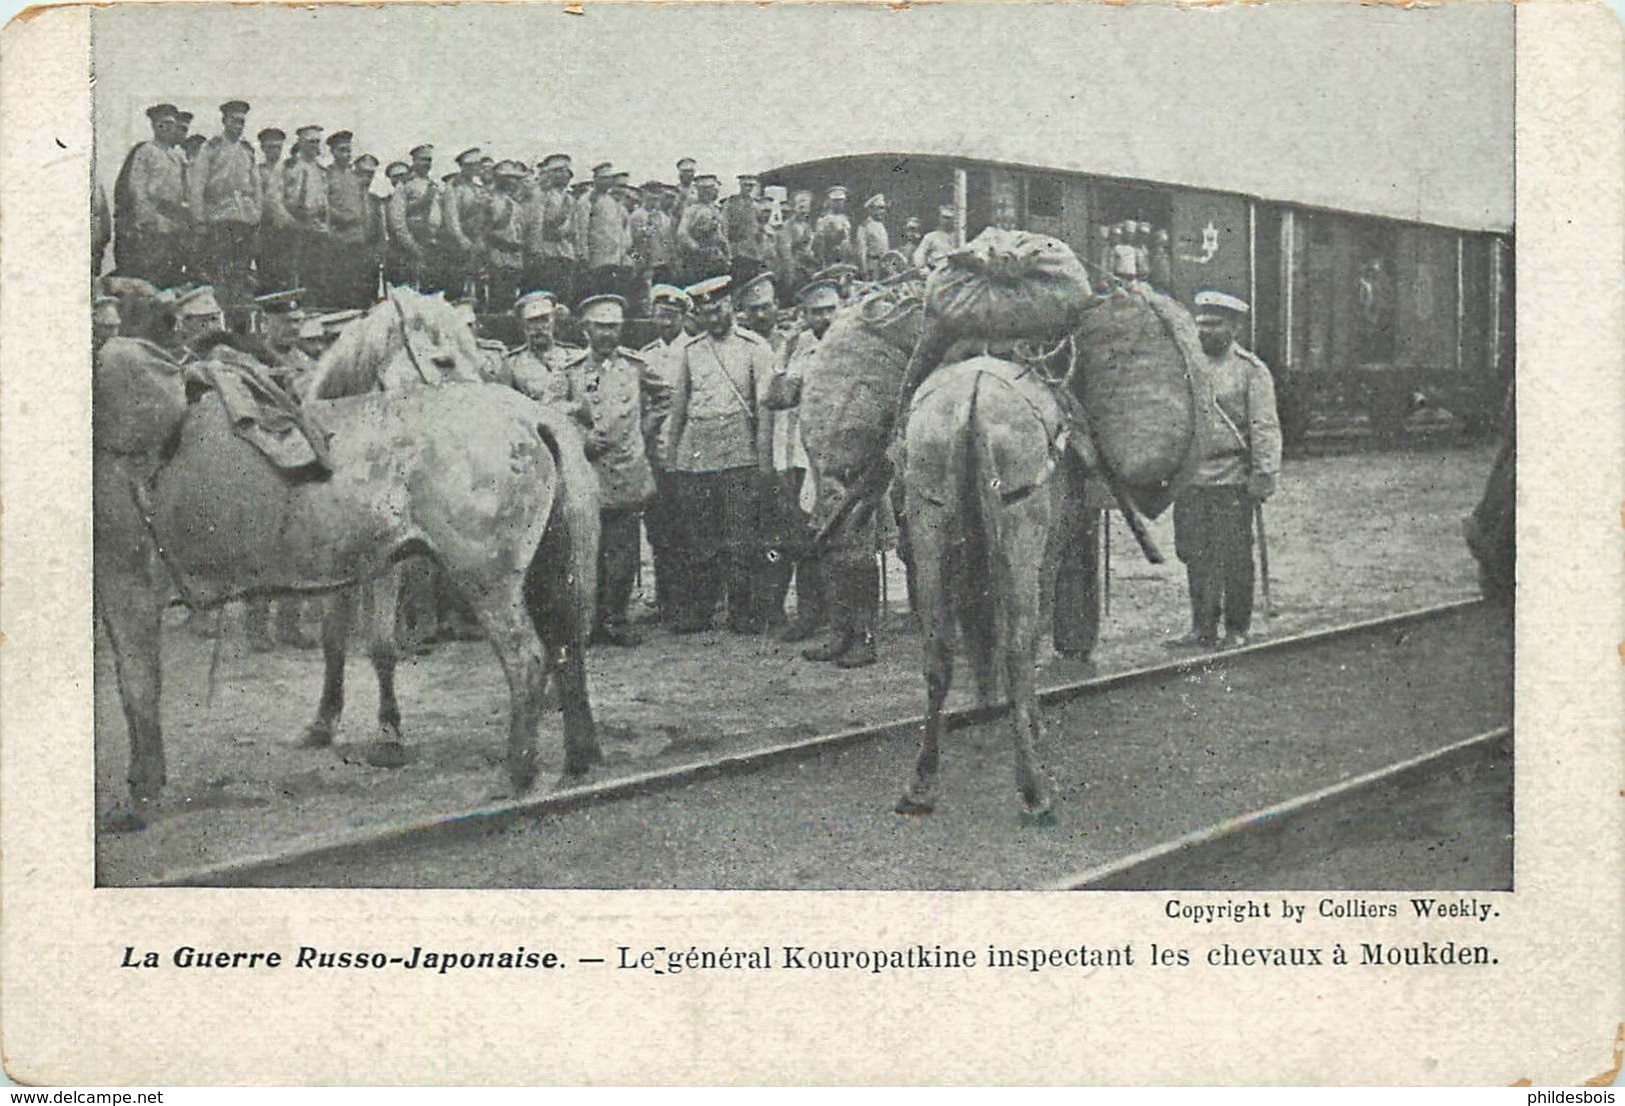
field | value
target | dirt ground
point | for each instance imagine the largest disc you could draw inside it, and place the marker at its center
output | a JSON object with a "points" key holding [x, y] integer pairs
{"points": [[1351, 537]]}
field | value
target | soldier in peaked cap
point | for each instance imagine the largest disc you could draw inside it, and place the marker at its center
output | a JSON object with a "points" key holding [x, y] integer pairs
{"points": [[1213, 516], [537, 367], [687, 190], [794, 261], [463, 224], [911, 237], [305, 195], [602, 246], [149, 205], [739, 224], [505, 236], [224, 195], [939, 243], [197, 315], [349, 267], [550, 250], [274, 251], [670, 307], [832, 235], [412, 216], [702, 243], [627, 402], [872, 240], [716, 453]]}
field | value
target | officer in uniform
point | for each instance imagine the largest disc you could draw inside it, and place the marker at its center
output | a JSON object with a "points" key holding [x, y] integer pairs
{"points": [[873, 241], [550, 252], [702, 244], [463, 226], [377, 231], [739, 224], [411, 218], [347, 267], [913, 234], [305, 191], [793, 531], [1213, 516], [832, 234], [603, 228], [505, 237], [794, 247], [273, 248], [224, 194], [941, 242], [537, 367], [756, 306], [149, 205], [687, 189], [396, 270], [626, 402], [670, 307], [659, 201], [717, 458]]}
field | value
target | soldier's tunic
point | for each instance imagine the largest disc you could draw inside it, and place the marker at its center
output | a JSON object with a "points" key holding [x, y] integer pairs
{"points": [[933, 248], [787, 522], [713, 454], [661, 518], [542, 377], [795, 262], [504, 249], [224, 193], [550, 252], [832, 239], [640, 233], [1213, 517], [872, 245], [702, 248], [350, 270], [662, 247], [463, 232], [275, 249], [156, 186], [626, 401], [412, 224], [605, 247], [306, 197]]}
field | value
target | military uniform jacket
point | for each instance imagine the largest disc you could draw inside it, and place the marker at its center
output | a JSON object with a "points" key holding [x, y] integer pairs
{"points": [[873, 243], [547, 224], [717, 421], [794, 250], [932, 249], [346, 204], [739, 222], [640, 230], [784, 397], [505, 231], [465, 216], [542, 378], [1245, 434], [410, 215], [700, 241], [273, 195], [223, 183], [306, 194], [627, 402], [832, 239], [157, 185], [605, 242], [663, 239]]}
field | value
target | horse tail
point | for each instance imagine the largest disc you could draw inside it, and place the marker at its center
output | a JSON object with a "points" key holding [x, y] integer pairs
{"points": [[561, 584], [984, 578]]}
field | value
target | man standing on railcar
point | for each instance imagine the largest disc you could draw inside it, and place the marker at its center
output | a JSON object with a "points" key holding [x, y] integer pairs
{"points": [[305, 192], [1213, 516], [410, 217], [224, 195]]}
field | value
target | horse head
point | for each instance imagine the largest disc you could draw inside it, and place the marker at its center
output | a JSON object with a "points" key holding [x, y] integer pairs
{"points": [[408, 340]]}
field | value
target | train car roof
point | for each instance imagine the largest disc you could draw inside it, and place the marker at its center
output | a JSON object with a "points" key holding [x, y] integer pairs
{"points": [[1400, 114]]}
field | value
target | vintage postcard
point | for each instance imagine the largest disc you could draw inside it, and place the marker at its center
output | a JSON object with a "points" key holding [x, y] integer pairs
{"points": [[668, 521]]}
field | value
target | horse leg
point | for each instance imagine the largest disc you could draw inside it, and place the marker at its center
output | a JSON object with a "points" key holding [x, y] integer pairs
{"points": [[1019, 643], [500, 608], [130, 610], [335, 639], [931, 553], [387, 750]]}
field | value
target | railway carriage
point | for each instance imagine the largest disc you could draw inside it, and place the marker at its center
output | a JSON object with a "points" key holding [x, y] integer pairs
{"points": [[1374, 325]]}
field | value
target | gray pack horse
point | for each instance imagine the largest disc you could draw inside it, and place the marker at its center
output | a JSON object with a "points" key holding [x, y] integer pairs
{"points": [[477, 476]]}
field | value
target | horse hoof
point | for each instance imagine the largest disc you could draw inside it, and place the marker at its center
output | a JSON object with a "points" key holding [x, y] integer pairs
{"points": [[387, 754], [1037, 818], [908, 804], [124, 820], [316, 737]]}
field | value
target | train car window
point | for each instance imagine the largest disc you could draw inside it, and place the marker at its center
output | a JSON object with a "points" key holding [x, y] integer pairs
{"points": [[1044, 197]]}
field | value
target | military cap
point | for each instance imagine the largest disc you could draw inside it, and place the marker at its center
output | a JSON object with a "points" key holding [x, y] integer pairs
{"points": [[335, 321], [837, 272], [580, 186], [280, 303], [685, 163], [510, 169], [911, 223], [397, 169], [309, 133], [447, 178], [535, 305], [339, 136], [800, 192], [622, 175], [606, 308], [162, 111], [819, 293], [487, 159], [758, 289], [751, 178], [947, 211], [366, 163], [468, 155], [668, 295], [653, 186], [603, 171], [194, 142], [555, 161], [836, 193], [272, 134], [1209, 300], [424, 150], [706, 178], [877, 200], [710, 290], [183, 117], [234, 107], [198, 301], [312, 328]]}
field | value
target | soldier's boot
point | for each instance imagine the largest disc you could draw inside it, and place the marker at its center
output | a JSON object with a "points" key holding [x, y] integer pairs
{"points": [[865, 592], [841, 627], [256, 614]]}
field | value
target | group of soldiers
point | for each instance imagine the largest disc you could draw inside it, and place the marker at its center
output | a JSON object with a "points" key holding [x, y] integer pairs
{"points": [[216, 211]]}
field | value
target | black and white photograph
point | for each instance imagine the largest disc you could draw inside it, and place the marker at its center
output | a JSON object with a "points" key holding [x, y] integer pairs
{"points": [[804, 447]]}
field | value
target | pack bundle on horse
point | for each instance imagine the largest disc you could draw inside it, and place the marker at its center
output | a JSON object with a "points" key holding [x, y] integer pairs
{"points": [[1020, 382], [477, 476]]}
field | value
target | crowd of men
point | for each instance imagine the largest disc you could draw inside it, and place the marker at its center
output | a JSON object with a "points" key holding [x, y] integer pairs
{"points": [[695, 436]]}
